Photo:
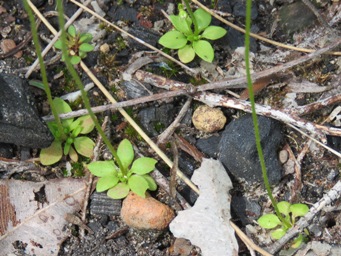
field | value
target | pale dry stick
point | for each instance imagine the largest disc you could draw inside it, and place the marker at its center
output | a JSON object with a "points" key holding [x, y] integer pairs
{"points": [[192, 71], [248, 241], [170, 129], [303, 222], [316, 141], [48, 25], [172, 180], [130, 120], [212, 99], [257, 36]]}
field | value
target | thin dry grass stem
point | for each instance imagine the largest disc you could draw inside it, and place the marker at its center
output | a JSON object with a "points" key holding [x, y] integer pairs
{"points": [[161, 154], [172, 181], [248, 241], [303, 222], [50, 45], [192, 71], [258, 36], [163, 137]]}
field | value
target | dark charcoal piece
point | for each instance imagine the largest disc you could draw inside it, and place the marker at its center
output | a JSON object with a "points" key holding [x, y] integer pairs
{"points": [[245, 209], [146, 35], [19, 121], [101, 204], [237, 149]]}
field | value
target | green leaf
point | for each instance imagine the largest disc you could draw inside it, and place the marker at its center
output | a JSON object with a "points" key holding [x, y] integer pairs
{"points": [[125, 153], [52, 154], [181, 24], [73, 154], [58, 44], [143, 165], [214, 32], [85, 47], [36, 83], [67, 146], [138, 185], [186, 54], [62, 107], [120, 191], [87, 124], [106, 182], [284, 207], [103, 168], [85, 38], [74, 124], [75, 60], [203, 19], [269, 221], [151, 182], [84, 146], [72, 31], [297, 242], [278, 233], [204, 50], [299, 210], [173, 40]]}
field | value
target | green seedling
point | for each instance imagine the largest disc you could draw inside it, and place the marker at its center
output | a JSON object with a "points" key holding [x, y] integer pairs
{"points": [[191, 42], [290, 212], [77, 44], [133, 175], [68, 143]]}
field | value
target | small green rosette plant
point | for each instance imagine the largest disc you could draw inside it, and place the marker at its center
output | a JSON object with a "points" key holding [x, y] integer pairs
{"points": [[77, 44], [133, 175], [290, 213], [68, 143], [188, 42]]}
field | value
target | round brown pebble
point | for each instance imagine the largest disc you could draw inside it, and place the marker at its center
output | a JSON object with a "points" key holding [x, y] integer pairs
{"points": [[145, 213], [208, 119]]}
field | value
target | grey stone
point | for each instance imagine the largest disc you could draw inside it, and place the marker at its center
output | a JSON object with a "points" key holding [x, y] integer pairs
{"points": [[237, 149], [245, 209], [19, 121]]}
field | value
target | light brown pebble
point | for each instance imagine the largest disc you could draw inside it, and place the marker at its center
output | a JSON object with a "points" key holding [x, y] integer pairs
{"points": [[104, 48], [181, 247], [208, 119], [145, 213], [8, 44]]}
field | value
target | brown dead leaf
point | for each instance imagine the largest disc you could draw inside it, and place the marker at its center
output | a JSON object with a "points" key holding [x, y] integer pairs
{"points": [[7, 45], [32, 214]]}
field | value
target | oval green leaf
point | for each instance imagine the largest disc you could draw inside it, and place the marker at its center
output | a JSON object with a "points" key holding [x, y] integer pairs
{"points": [[52, 154], [204, 50], [138, 185], [151, 182], [102, 168], [181, 24], [72, 31], [73, 154], [85, 38], [173, 40], [299, 210], [120, 191], [284, 207], [106, 182], [87, 124], [269, 221], [143, 165], [125, 153], [85, 47], [203, 19], [214, 32], [186, 54], [58, 44], [278, 233], [75, 60], [84, 146]]}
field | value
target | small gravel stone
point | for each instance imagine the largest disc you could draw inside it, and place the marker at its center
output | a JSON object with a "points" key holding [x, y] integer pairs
{"points": [[145, 213], [208, 119]]}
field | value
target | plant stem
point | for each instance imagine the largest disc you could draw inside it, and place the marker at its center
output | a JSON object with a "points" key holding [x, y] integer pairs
{"points": [[43, 69], [254, 115], [189, 10], [81, 86]]}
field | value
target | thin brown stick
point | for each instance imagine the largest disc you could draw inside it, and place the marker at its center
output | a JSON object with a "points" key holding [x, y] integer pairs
{"points": [[172, 181]]}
